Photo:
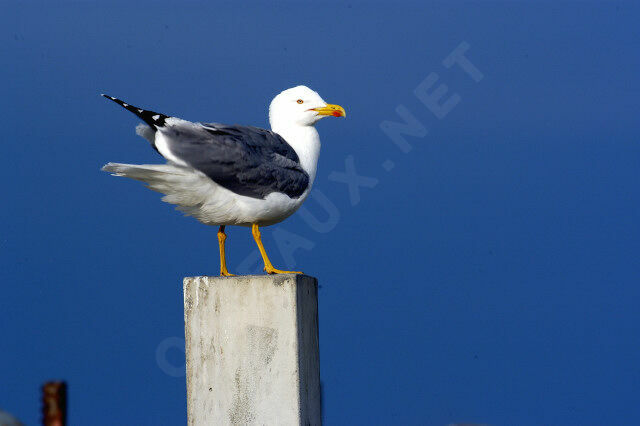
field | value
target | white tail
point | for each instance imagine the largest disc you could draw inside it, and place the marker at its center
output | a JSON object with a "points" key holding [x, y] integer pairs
{"points": [[180, 185], [190, 190]]}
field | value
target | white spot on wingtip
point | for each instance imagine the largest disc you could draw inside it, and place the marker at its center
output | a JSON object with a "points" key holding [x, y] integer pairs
{"points": [[155, 117], [140, 110], [125, 104]]}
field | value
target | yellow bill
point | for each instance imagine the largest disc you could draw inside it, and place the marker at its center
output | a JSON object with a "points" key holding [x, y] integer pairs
{"points": [[330, 109]]}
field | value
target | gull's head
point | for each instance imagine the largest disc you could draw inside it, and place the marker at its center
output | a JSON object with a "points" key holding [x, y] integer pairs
{"points": [[300, 106]]}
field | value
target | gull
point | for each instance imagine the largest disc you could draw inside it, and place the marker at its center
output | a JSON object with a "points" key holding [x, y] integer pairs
{"points": [[235, 175]]}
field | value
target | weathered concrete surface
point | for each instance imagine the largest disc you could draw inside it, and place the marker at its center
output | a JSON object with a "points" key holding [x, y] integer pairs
{"points": [[252, 350]]}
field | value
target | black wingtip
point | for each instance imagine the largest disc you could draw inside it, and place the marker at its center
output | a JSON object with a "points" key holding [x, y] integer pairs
{"points": [[111, 98], [153, 119]]}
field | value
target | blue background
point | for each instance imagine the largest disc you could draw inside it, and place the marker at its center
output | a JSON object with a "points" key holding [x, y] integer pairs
{"points": [[491, 276]]}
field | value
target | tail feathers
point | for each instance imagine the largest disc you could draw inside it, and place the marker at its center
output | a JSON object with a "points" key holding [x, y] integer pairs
{"points": [[192, 192], [180, 185], [153, 119]]}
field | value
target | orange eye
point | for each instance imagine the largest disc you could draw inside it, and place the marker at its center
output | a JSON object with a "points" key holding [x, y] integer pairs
{"points": [[299, 101]]}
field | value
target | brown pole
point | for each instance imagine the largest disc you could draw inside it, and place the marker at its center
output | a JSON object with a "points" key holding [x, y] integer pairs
{"points": [[54, 404]]}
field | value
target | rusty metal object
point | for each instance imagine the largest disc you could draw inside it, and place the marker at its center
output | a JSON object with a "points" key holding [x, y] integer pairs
{"points": [[54, 404]]}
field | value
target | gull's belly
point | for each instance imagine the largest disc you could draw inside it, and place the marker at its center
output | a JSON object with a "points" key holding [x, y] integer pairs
{"points": [[274, 208], [224, 207]]}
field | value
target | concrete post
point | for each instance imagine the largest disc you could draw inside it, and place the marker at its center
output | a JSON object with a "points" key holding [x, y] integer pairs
{"points": [[252, 350]]}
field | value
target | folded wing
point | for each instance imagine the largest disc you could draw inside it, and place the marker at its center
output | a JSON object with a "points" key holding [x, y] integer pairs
{"points": [[247, 160]]}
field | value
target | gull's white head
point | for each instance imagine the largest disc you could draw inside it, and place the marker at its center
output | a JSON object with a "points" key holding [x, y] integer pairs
{"points": [[300, 106]]}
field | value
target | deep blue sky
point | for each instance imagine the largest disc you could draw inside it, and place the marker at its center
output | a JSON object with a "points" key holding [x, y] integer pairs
{"points": [[490, 276]]}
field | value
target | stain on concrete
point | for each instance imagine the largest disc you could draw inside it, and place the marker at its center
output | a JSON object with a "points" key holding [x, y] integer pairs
{"points": [[279, 279], [188, 304], [216, 305], [202, 291], [262, 343]]}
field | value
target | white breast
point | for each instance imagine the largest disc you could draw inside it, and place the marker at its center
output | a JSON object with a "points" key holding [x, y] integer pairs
{"points": [[305, 140]]}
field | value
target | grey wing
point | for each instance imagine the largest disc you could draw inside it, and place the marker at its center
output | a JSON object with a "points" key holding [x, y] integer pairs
{"points": [[246, 160]]}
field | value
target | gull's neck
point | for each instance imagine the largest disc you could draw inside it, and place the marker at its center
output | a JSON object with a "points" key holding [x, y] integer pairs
{"points": [[305, 140]]}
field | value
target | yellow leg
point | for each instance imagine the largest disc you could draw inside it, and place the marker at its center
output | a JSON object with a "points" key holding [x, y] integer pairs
{"points": [[255, 231], [223, 261]]}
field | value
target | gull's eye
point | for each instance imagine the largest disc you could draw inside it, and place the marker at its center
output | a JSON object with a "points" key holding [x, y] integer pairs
{"points": [[299, 101]]}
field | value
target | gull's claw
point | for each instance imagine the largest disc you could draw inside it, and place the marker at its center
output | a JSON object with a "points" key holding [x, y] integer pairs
{"points": [[273, 270]]}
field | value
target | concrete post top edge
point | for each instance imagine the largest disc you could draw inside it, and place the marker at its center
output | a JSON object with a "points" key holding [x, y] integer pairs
{"points": [[185, 280]]}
